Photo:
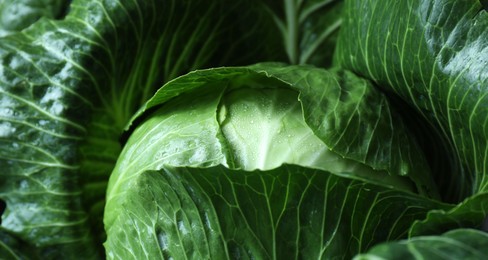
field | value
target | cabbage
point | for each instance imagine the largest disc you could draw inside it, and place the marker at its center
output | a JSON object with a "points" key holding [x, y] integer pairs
{"points": [[141, 129]]}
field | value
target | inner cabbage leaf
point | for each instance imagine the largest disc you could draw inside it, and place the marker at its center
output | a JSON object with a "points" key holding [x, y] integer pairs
{"points": [[227, 162]]}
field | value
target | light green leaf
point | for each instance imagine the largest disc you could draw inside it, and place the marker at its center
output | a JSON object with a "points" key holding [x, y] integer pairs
{"points": [[210, 137], [333, 116], [358, 122]]}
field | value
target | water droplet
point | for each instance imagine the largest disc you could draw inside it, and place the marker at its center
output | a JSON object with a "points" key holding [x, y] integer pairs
{"points": [[404, 169], [161, 154], [6, 129], [43, 122], [207, 221], [182, 227], [163, 240]]}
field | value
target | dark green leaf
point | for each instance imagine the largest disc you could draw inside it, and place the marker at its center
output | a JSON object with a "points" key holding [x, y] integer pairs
{"points": [[69, 86], [456, 244], [434, 55], [308, 29], [12, 247], [471, 213], [16, 15]]}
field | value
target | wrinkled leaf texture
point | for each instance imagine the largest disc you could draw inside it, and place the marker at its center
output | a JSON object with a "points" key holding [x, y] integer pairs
{"points": [[177, 188], [455, 244], [434, 55], [68, 87], [18, 15]]}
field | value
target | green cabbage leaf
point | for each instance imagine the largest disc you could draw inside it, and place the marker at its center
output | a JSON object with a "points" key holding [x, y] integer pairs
{"points": [[455, 244], [71, 76], [262, 162], [433, 55]]}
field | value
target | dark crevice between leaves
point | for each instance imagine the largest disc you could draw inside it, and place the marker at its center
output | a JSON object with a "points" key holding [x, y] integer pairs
{"points": [[483, 9], [484, 225], [64, 10], [124, 136], [3, 206], [484, 3], [437, 150]]}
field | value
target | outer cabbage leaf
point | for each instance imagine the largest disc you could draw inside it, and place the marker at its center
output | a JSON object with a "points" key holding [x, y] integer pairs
{"points": [[434, 55], [471, 213], [12, 247], [289, 212], [210, 130], [69, 86], [455, 244], [19, 14]]}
